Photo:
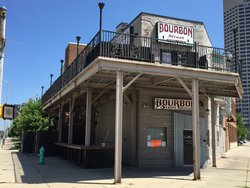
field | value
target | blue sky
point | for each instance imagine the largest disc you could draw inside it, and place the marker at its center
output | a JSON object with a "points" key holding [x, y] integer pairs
{"points": [[38, 31]]}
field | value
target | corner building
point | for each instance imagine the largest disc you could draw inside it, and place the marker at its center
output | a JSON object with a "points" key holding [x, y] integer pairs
{"points": [[145, 91]]}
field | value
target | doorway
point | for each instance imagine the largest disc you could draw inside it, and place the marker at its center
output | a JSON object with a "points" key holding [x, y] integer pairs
{"points": [[187, 147], [183, 149]]}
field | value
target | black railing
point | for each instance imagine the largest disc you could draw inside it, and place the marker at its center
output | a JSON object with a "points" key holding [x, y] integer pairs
{"points": [[134, 47]]}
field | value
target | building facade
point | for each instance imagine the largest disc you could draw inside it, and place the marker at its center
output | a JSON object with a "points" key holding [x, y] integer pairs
{"points": [[237, 22], [150, 91]]}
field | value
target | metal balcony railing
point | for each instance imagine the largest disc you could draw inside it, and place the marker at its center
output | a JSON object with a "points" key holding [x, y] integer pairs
{"points": [[134, 47]]}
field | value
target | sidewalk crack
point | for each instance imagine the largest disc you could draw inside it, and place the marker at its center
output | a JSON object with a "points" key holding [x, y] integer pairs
{"points": [[247, 173], [14, 167]]}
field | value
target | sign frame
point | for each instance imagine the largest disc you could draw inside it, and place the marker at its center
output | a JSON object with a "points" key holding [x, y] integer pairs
{"points": [[175, 34], [172, 104]]}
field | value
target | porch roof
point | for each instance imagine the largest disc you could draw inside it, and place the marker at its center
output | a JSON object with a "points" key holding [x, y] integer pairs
{"points": [[102, 72]]}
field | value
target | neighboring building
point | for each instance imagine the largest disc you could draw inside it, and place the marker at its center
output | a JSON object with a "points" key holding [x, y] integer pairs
{"points": [[237, 18], [149, 88], [71, 53]]}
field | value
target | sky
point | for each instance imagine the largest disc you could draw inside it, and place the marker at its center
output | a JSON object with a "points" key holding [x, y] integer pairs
{"points": [[38, 31]]}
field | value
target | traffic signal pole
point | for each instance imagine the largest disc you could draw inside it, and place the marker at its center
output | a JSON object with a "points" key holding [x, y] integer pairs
{"points": [[3, 11]]}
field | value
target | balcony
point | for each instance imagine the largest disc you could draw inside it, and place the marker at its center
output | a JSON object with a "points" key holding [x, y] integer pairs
{"points": [[143, 49]]}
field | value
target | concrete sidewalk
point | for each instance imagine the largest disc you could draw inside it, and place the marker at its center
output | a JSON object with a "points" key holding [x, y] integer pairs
{"points": [[19, 170]]}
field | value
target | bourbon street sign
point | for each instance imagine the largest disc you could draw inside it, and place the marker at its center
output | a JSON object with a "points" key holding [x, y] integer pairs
{"points": [[173, 104], [171, 33]]}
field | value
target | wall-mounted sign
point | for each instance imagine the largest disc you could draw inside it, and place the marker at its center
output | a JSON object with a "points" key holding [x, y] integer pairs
{"points": [[173, 104], [171, 33]]}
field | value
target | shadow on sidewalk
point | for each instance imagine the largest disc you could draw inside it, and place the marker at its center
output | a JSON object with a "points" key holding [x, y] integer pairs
{"points": [[27, 170]]}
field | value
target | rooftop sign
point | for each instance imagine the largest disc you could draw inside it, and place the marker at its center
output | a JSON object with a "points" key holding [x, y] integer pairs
{"points": [[171, 33]]}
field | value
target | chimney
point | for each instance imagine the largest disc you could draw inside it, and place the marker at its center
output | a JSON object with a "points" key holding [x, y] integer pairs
{"points": [[120, 28], [70, 53]]}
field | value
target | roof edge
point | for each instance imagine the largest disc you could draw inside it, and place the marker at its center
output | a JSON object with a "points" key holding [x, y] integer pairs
{"points": [[180, 19]]}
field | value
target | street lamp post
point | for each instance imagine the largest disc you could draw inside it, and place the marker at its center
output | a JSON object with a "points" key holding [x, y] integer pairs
{"points": [[51, 76], [101, 5], [240, 67], [78, 38], [235, 30], [42, 90], [61, 65]]}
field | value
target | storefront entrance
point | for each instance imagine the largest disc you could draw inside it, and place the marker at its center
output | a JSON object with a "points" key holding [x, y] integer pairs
{"points": [[188, 147], [183, 140]]}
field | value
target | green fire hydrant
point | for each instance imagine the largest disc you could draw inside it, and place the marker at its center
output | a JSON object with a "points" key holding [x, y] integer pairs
{"points": [[41, 155]]}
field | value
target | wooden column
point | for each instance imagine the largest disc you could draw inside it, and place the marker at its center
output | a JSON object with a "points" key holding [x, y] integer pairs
{"points": [[196, 128], [88, 117], [71, 108], [214, 117], [118, 127]]}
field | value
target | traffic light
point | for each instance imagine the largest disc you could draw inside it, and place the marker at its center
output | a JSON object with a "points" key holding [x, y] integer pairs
{"points": [[1, 111], [8, 111], [16, 110]]}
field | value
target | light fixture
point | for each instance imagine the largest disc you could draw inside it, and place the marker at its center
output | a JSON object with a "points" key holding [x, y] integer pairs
{"points": [[42, 90], [51, 78], [101, 5], [61, 65], [207, 111], [78, 38]]}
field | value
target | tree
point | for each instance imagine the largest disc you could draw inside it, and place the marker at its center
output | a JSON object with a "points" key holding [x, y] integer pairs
{"points": [[242, 131], [31, 118]]}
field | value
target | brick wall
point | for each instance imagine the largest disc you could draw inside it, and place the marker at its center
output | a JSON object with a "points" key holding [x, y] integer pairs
{"points": [[70, 53], [232, 129]]}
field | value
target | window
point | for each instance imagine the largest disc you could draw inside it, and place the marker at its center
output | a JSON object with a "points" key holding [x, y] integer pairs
{"points": [[157, 137]]}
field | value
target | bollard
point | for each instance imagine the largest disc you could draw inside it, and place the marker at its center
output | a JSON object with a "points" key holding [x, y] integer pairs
{"points": [[41, 155]]}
